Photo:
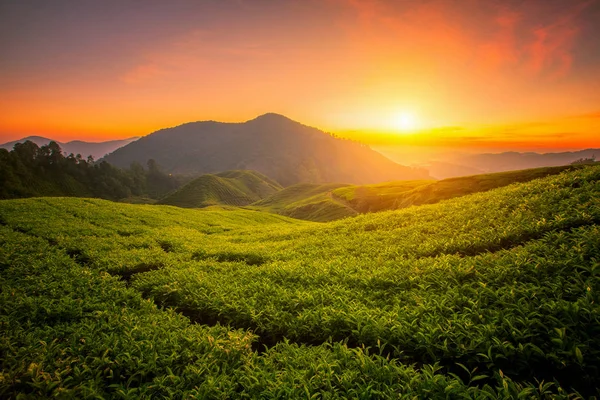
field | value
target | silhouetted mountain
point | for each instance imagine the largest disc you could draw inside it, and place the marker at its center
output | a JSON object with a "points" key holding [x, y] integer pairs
{"points": [[272, 144], [509, 161], [95, 149], [443, 170], [234, 188], [445, 163]]}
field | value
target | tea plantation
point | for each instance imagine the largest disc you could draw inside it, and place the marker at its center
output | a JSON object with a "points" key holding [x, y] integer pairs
{"points": [[329, 202], [487, 296]]}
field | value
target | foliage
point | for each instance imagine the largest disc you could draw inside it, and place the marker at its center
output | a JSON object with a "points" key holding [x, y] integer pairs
{"points": [[492, 295], [584, 161], [461, 186], [308, 201], [323, 203], [29, 171]]}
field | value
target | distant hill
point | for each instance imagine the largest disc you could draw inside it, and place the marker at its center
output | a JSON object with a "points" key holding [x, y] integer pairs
{"points": [[272, 144], [447, 163], [443, 170], [509, 161], [234, 188], [95, 149], [323, 203]]}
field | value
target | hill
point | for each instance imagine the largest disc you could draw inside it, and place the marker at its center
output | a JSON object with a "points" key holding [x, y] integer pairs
{"points": [[323, 203], [490, 295], [508, 161], [392, 196], [235, 188], [308, 201], [448, 163], [444, 170], [271, 144], [94, 149]]}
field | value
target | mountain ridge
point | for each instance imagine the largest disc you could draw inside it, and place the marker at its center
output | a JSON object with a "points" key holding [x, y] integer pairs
{"points": [[497, 162], [95, 149], [272, 144]]}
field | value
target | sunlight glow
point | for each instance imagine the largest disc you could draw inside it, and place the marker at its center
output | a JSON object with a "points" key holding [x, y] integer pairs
{"points": [[405, 122]]}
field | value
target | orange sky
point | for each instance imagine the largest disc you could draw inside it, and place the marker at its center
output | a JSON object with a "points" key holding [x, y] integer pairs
{"points": [[469, 73]]}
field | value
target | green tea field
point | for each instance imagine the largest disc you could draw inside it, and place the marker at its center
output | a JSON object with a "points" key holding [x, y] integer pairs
{"points": [[492, 295], [330, 202]]}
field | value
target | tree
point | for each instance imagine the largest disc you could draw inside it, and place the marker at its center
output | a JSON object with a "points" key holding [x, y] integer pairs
{"points": [[583, 161]]}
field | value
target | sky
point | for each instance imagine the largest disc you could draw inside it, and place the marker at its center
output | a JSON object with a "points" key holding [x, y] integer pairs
{"points": [[471, 74]]}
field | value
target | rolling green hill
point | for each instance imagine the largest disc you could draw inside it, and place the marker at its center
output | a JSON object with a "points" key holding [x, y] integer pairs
{"points": [[234, 188], [490, 295], [324, 203], [308, 201], [378, 197], [395, 195]]}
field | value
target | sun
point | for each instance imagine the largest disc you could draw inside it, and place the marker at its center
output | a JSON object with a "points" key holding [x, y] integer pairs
{"points": [[405, 122]]}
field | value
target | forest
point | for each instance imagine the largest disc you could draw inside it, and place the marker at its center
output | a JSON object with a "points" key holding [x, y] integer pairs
{"points": [[29, 171]]}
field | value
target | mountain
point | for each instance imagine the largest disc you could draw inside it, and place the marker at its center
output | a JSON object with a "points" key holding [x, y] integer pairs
{"points": [[235, 188], [272, 144], [443, 170], [445, 163], [514, 160], [95, 149]]}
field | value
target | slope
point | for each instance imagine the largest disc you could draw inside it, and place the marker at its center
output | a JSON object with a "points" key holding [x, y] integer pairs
{"points": [[323, 203], [461, 186], [308, 201], [491, 295], [272, 144], [377, 197], [235, 188]]}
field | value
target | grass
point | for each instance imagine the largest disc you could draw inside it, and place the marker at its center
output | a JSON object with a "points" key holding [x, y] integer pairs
{"points": [[490, 295], [307, 201], [461, 186], [378, 197], [233, 188], [323, 203]]}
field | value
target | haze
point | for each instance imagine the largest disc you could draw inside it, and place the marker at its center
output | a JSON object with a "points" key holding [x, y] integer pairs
{"points": [[473, 75]]}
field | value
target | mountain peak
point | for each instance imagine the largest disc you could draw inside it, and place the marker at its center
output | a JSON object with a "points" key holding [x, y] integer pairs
{"points": [[271, 117], [285, 150]]}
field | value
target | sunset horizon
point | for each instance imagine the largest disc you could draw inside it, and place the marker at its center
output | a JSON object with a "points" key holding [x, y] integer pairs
{"points": [[479, 75]]}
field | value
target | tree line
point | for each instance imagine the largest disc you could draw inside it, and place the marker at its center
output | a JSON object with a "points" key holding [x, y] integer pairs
{"points": [[29, 171]]}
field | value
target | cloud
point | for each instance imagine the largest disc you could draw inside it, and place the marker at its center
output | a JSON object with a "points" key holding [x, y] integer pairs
{"points": [[142, 73], [591, 115], [551, 47], [532, 37]]}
